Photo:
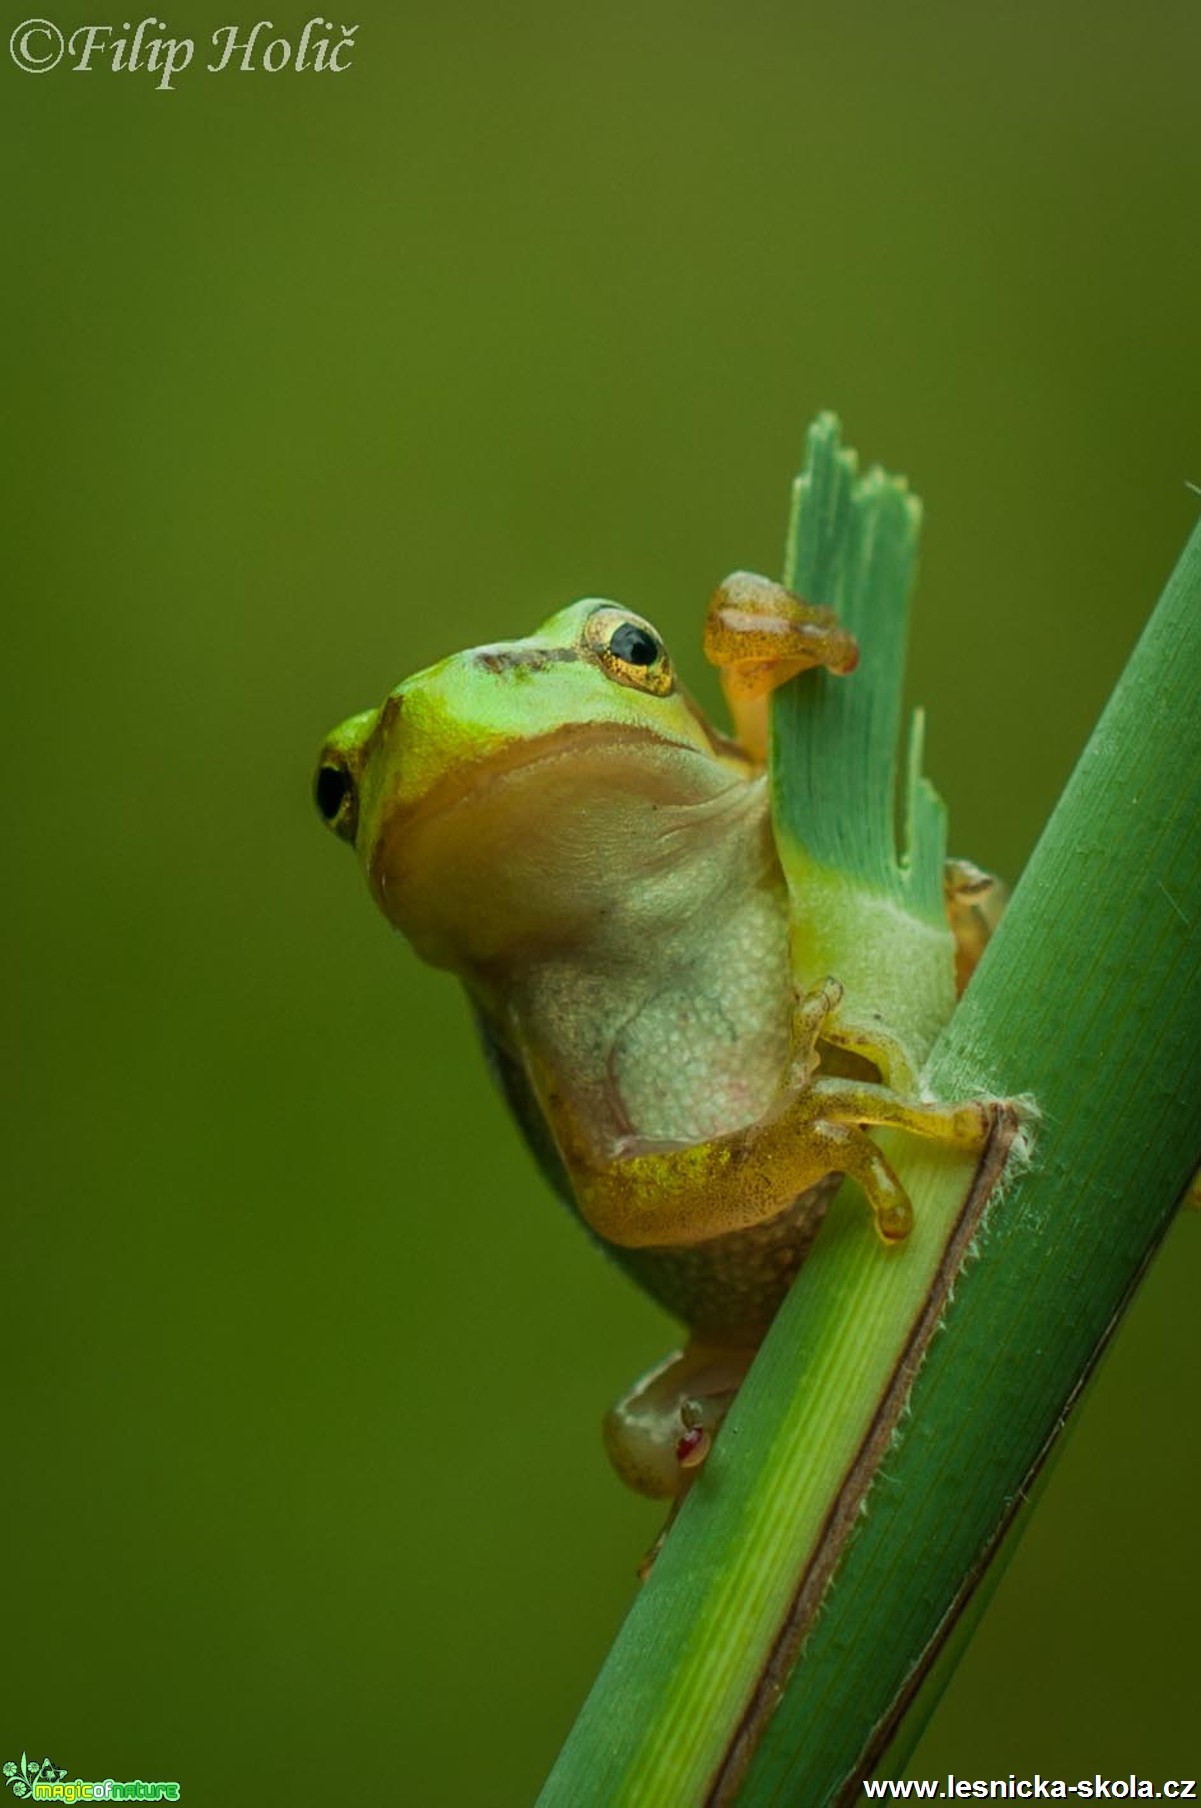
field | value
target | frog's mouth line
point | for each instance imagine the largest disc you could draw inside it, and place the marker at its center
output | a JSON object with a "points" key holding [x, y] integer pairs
{"points": [[472, 782]]}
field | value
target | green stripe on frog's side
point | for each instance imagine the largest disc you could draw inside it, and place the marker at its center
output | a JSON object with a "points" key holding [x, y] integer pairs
{"points": [[863, 908]]}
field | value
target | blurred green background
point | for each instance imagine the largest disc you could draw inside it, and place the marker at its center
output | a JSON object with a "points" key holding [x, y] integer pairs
{"points": [[312, 380]]}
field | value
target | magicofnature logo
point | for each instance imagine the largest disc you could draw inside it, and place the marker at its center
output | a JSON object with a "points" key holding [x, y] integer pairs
{"points": [[48, 1782]]}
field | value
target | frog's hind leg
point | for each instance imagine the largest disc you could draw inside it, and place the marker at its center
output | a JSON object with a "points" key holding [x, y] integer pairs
{"points": [[843, 1107], [659, 1434], [759, 635]]}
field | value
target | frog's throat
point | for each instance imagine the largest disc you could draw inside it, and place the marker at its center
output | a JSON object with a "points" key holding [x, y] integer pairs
{"points": [[528, 845], [473, 779]]}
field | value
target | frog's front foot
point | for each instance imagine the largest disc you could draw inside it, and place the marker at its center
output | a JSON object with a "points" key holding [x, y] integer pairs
{"points": [[759, 635], [975, 900], [660, 1433], [817, 1017]]}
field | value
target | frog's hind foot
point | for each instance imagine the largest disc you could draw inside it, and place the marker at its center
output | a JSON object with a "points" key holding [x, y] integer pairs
{"points": [[660, 1434], [841, 1110]]}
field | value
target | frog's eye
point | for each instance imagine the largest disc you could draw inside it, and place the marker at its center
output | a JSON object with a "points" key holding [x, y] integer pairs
{"points": [[628, 649], [336, 798]]}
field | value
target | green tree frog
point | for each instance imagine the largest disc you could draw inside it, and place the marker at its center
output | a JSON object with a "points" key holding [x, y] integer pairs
{"points": [[554, 821]]}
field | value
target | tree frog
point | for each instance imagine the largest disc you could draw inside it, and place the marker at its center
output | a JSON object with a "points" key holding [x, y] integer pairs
{"points": [[555, 821]]}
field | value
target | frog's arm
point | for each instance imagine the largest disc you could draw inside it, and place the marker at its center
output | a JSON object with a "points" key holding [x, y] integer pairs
{"points": [[640, 1193], [760, 635]]}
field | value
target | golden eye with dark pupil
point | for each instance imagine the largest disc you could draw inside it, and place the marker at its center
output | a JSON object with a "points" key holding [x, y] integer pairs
{"points": [[627, 650], [634, 645]]}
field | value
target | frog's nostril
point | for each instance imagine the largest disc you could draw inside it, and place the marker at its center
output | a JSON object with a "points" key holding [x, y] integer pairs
{"points": [[333, 792]]}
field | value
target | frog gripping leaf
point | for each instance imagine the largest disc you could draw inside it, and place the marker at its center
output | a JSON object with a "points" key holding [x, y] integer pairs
{"points": [[554, 821]]}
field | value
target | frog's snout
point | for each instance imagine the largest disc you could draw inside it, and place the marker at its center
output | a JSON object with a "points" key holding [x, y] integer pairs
{"points": [[339, 772]]}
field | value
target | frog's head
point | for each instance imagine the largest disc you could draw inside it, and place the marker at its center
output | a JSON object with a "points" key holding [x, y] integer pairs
{"points": [[506, 796]]}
